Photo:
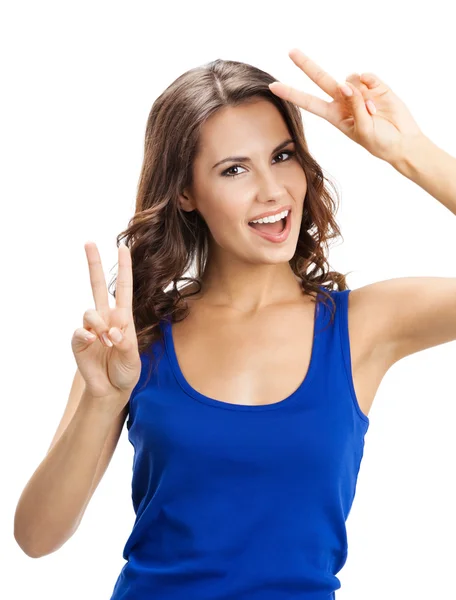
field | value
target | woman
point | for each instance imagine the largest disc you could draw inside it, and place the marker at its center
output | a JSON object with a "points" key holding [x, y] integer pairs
{"points": [[247, 394]]}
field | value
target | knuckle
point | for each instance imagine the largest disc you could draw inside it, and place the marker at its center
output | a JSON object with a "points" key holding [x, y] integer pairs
{"points": [[89, 314], [319, 74], [93, 320]]}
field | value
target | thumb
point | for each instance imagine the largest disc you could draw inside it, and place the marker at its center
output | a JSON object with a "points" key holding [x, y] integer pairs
{"points": [[361, 115]]}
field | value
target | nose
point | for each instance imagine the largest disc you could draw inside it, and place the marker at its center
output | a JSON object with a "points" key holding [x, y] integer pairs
{"points": [[270, 187]]}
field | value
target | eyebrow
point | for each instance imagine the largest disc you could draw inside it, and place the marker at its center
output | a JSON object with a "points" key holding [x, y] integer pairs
{"points": [[247, 159]]}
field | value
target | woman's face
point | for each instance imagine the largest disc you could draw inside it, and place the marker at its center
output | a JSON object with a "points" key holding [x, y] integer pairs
{"points": [[230, 194]]}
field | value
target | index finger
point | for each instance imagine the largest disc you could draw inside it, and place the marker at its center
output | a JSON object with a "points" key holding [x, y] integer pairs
{"points": [[124, 282], [97, 278], [323, 79]]}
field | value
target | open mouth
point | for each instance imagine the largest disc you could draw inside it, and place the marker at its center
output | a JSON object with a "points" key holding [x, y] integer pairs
{"points": [[276, 232], [275, 228]]}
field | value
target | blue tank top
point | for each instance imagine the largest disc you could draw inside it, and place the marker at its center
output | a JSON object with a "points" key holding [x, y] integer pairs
{"points": [[238, 502]]}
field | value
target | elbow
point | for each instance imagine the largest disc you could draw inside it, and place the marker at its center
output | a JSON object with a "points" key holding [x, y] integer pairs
{"points": [[26, 549], [22, 539], [33, 550]]}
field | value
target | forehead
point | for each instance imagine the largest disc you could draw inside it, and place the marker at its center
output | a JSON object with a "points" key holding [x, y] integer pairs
{"points": [[238, 129]]}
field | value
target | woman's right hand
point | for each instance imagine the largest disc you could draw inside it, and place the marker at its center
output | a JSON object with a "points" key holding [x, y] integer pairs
{"points": [[109, 371]]}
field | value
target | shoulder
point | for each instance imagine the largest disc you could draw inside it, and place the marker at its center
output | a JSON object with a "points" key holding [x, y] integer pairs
{"points": [[369, 326]]}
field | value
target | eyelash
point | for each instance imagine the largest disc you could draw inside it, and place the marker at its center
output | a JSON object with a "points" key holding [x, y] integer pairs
{"points": [[290, 152]]}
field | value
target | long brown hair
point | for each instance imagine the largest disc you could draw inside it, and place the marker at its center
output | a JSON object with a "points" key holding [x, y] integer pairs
{"points": [[166, 241]]}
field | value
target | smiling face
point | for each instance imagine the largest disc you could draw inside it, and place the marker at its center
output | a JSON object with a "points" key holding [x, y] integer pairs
{"points": [[230, 194]]}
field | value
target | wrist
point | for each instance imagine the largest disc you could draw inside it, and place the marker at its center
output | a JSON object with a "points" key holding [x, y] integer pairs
{"points": [[108, 407], [413, 155]]}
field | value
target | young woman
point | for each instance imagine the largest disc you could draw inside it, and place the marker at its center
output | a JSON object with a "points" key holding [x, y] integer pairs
{"points": [[246, 392]]}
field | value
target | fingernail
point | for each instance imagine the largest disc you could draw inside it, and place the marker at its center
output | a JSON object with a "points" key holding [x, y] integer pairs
{"points": [[106, 340], [116, 335], [278, 86], [346, 90], [371, 106]]}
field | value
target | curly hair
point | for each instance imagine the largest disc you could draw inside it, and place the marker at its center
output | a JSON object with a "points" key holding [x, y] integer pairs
{"points": [[166, 241]]}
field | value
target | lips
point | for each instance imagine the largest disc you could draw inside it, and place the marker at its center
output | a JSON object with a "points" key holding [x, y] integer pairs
{"points": [[271, 213], [277, 237]]}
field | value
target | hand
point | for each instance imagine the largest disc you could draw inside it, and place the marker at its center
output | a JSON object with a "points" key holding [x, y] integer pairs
{"points": [[108, 371], [373, 116]]}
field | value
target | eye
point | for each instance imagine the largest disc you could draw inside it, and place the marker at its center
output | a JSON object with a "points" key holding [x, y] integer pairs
{"points": [[227, 173]]}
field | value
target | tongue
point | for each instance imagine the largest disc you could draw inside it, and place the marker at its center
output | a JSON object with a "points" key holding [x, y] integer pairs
{"points": [[276, 227]]}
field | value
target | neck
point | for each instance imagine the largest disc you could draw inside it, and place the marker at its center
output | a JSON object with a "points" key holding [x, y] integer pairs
{"points": [[251, 289]]}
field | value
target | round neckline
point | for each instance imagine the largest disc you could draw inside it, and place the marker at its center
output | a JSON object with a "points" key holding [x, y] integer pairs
{"points": [[191, 391]]}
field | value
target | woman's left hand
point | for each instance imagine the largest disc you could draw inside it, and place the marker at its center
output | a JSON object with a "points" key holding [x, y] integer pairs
{"points": [[385, 130]]}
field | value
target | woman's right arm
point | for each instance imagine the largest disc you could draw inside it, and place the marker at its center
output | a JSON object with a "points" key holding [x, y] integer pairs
{"points": [[54, 500], [106, 351]]}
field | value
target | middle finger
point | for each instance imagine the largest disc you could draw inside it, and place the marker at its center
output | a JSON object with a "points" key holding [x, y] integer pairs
{"points": [[124, 283], [324, 80]]}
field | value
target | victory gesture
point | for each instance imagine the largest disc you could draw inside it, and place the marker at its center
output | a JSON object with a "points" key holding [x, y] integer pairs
{"points": [[372, 116], [106, 347]]}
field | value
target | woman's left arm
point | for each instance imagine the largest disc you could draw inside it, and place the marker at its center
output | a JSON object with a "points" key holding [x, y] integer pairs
{"points": [[367, 111], [431, 168], [411, 313]]}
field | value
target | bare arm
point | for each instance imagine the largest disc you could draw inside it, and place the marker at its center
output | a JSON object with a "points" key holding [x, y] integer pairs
{"points": [[56, 496]]}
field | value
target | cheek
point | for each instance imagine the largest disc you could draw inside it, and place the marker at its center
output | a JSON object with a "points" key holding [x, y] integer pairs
{"points": [[227, 211], [226, 227], [299, 181], [223, 225]]}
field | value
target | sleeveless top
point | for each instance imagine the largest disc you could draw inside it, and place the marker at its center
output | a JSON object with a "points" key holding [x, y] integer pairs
{"points": [[238, 502]]}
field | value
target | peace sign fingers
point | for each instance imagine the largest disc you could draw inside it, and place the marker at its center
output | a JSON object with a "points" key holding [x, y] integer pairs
{"points": [[323, 79], [124, 282], [315, 105], [308, 102], [97, 278]]}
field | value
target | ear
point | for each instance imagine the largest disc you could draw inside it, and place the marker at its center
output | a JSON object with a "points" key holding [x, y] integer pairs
{"points": [[186, 201]]}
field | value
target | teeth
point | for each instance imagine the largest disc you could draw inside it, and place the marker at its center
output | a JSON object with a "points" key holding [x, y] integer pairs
{"points": [[272, 219]]}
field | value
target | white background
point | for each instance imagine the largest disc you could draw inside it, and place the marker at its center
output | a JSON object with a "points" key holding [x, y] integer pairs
{"points": [[78, 81]]}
